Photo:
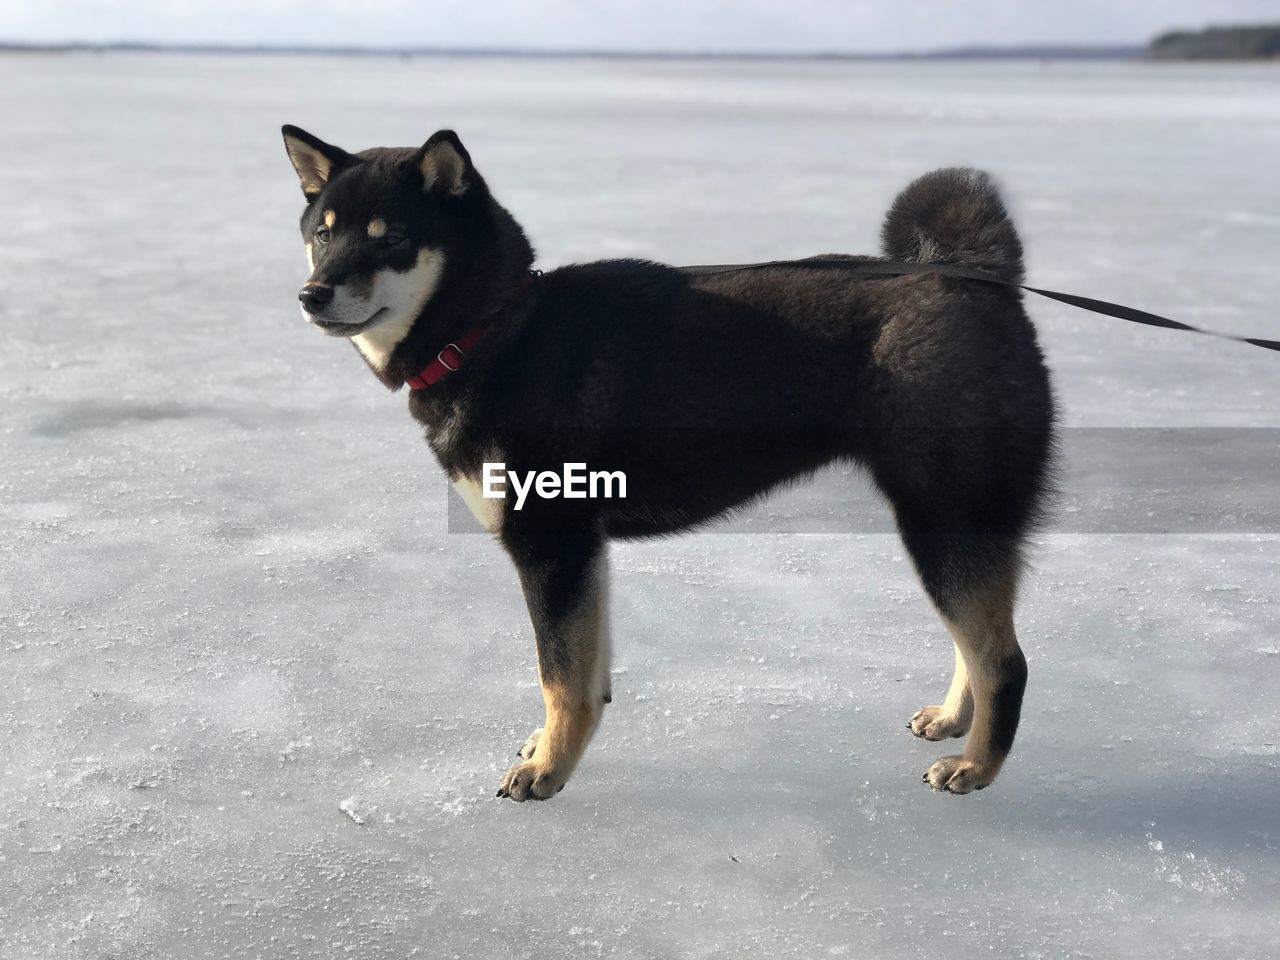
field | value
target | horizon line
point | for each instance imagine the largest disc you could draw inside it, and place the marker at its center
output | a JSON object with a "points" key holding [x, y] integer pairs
{"points": [[973, 51]]}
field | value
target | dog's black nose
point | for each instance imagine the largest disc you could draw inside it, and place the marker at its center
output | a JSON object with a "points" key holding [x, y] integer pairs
{"points": [[314, 296]]}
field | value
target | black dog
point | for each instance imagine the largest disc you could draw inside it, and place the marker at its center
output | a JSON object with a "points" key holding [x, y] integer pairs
{"points": [[705, 393]]}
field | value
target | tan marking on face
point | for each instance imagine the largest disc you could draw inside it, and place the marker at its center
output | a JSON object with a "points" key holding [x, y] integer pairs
{"points": [[377, 228], [329, 218], [311, 257]]}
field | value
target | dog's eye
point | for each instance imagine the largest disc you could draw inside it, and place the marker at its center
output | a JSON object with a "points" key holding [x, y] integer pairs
{"points": [[323, 235], [393, 239]]}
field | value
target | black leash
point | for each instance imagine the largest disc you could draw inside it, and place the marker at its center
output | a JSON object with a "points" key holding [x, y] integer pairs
{"points": [[899, 268]]}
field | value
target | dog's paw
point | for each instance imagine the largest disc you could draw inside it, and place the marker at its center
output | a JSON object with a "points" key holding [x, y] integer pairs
{"points": [[958, 775], [531, 744], [530, 780], [932, 724]]}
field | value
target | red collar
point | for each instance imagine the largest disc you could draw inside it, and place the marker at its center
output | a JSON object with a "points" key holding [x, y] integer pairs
{"points": [[451, 357]]}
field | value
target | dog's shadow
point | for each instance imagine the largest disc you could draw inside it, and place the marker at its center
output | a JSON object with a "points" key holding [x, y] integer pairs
{"points": [[1221, 808], [1212, 818]]}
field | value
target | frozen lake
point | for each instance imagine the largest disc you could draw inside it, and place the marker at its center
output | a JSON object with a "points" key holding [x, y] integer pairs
{"points": [[230, 601]]}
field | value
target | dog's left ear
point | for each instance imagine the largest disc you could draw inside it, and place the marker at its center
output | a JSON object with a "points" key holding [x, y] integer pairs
{"points": [[315, 160], [445, 165]]}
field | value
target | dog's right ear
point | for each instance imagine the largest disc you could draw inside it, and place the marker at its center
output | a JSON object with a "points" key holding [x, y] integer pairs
{"points": [[445, 165], [315, 160]]}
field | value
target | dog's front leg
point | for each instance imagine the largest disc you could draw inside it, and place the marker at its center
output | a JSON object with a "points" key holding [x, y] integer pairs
{"points": [[567, 594]]}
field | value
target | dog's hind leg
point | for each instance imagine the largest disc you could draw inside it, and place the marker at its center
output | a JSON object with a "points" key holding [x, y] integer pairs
{"points": [[567, 593], [953, 716], [997, 678], [973, 582]]}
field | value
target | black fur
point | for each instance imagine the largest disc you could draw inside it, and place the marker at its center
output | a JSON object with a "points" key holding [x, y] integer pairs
{"points": [[1006, 704]]}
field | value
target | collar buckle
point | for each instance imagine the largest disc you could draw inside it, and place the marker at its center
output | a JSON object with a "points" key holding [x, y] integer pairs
{"points": [[457, 356]]}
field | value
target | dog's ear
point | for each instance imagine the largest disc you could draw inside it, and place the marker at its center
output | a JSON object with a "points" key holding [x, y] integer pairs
{"points": [[445, 165], [315, 160]]}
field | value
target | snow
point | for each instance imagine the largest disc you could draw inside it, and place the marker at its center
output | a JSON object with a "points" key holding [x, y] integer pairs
{"points": [[235, 625]]}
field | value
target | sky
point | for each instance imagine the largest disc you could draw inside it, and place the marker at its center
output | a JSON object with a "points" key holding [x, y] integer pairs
{"points": [[777, 26]]}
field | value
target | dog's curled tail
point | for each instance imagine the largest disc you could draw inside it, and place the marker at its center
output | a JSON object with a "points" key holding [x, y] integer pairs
{"points": [[953, 216]]}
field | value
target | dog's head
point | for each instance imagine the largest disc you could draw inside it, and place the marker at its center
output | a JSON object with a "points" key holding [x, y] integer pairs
{"points": [[377, 228]]}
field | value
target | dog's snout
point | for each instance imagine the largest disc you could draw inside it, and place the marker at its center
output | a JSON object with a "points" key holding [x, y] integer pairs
{"points": [[315, 296]]}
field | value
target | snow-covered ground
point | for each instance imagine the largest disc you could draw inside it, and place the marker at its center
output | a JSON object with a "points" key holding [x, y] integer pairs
{"points": [[255, 700]]}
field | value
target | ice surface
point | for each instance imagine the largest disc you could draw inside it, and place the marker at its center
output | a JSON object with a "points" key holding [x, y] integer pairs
{"points": [[230, 606]]}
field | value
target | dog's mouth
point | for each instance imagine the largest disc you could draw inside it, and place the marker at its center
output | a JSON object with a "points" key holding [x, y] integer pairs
{"points": [[336, 328]]}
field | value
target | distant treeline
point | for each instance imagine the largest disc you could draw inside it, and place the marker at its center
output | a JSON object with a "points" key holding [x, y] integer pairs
{"points": [[1212, 43], [1218, 43]]}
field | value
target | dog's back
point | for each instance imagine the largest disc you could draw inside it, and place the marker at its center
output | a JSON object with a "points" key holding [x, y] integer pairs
{"points": [[708, 391]]}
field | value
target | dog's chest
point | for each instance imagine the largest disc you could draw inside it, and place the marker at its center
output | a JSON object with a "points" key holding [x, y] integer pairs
{"points": [[487, 511], [463, 458]]}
